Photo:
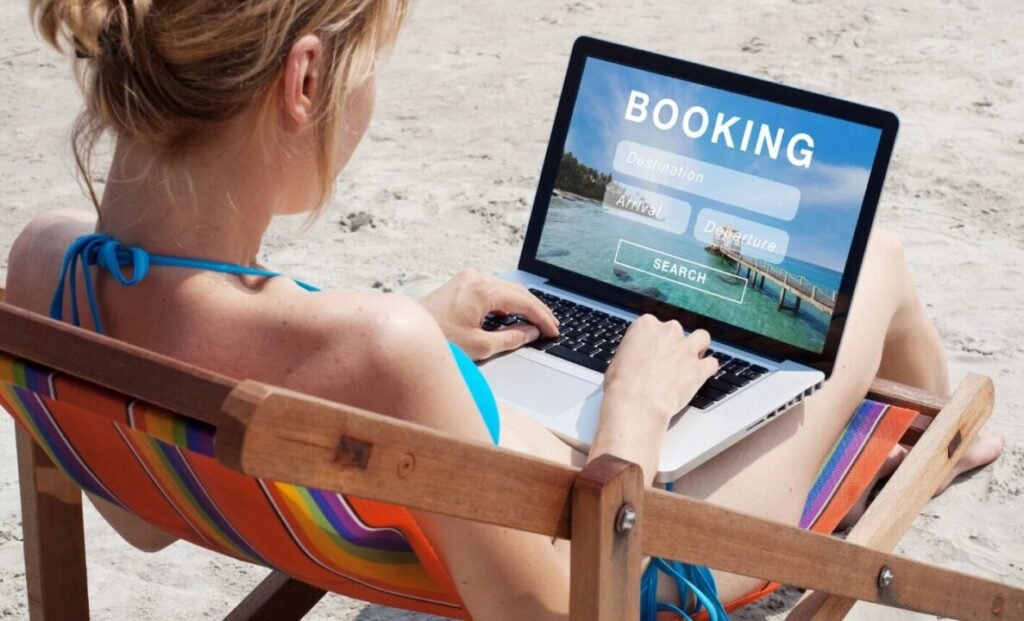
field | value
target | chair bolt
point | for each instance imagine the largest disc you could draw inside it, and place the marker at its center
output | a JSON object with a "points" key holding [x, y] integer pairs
{"points": [[885, 577], [626, 519]]}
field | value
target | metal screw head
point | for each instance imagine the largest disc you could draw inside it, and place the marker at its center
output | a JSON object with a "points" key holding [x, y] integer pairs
{"points": [[626, 519], [885, 578]]}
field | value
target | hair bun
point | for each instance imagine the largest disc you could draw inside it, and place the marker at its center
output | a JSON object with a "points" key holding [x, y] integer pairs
{"points": [[94, 28], [163, 74]]}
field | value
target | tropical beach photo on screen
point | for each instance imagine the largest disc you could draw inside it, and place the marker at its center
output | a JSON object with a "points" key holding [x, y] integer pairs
{"points": [[731, 207]]}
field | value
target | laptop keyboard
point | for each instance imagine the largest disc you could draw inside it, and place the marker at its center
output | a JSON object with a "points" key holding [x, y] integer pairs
{"points": [[590, 338]]}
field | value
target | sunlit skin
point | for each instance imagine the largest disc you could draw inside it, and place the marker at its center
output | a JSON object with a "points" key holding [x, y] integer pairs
{"points": [[388, 353]]}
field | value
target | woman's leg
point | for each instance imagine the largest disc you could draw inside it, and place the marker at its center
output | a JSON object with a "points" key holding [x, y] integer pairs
{"points": [[131, 528], [888, 333]]}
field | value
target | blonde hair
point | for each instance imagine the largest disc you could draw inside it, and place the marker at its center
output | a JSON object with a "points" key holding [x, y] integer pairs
{"points": [[163, 70]]}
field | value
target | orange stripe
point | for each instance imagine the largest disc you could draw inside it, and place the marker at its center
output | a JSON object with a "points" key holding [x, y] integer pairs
{"points": [[90, 399], [101, 447], [889, 431], [382, 515]]}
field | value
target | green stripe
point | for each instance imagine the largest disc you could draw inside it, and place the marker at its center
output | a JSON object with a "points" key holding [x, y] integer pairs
{"points": [[20, 380], [385, 557], [170, 470], [179, 431]]}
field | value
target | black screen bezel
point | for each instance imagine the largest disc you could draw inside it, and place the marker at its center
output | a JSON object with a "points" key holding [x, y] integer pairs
{"points": [[588, 47]]}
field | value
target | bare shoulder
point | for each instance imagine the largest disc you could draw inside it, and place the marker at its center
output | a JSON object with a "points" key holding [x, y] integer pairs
{"points": [[385, 330], [362, 319], [52, 227], [360, 348], [38, 251]]}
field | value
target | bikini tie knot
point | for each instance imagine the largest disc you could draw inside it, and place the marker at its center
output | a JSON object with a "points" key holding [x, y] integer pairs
{"points": [[108, 254], [113, 256], [119, 260]]}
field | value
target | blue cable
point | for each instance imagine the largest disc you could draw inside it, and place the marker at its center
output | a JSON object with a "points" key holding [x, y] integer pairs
{"points": [[688, 578]]}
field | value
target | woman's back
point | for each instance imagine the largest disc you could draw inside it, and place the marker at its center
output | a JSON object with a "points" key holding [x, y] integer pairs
{"points": [[269, 330]]}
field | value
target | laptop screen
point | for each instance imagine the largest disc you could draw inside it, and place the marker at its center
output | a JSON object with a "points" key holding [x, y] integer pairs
{"points": [[728, 206]]}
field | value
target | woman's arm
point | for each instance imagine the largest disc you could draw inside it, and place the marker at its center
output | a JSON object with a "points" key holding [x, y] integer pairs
{"points": [[655, 372], [500, 573], [508, 574], [393, 358]]}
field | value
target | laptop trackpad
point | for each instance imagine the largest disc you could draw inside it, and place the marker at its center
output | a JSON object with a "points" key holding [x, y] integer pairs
{"points": [[536, 387]]}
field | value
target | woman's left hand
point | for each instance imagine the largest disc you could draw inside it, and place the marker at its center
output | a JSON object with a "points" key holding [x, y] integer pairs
{"points": [[461, 304]]}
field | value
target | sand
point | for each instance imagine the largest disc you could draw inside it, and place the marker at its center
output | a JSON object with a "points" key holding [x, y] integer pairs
{"points": [[446, 179]]}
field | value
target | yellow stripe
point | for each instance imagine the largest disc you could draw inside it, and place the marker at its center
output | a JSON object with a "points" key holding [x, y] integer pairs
{"points": [[6, 369], [318, 535], [171, 486]]}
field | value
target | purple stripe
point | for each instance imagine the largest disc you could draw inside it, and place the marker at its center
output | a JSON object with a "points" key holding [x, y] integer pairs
{"points": [[331, 505], [37, 379], [850, 445], [158, 487], [335, 570], [199, 438], [198, 493], [69, 460], [861, 433]]}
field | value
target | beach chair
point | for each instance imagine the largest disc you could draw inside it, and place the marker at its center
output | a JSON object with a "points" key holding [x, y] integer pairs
{"points": [[317, 491]]}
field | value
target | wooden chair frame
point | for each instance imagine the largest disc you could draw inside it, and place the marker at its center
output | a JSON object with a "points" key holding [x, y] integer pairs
{"points": [[605, 511]]}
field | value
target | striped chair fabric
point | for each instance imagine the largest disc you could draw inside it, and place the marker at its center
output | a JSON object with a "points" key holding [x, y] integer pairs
{"points": [[161, 467]]}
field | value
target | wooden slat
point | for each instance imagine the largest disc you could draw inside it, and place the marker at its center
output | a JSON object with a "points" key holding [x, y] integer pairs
{"points": [[54, 540], [705, 534], [916, 429], [277, 598], [910, 488], [894, 393], [130, 370], [287, 436], [604, 557]]}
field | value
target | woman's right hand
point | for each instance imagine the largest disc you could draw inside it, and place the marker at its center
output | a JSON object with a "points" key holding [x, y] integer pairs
{"points": [[657, 368]]}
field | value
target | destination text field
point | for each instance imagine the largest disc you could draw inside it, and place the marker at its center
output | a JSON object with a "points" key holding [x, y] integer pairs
{"points": [[725, 185]]}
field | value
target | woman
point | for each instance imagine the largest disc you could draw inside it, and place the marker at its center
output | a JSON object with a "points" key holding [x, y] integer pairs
{"points": [[227, 114]]}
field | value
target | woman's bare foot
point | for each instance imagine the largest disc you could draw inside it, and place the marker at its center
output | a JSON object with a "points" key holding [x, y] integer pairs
{"points": [[984, 449]]}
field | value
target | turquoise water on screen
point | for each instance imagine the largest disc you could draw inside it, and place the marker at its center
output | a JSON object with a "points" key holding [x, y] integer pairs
{"points": [[581, 236]]}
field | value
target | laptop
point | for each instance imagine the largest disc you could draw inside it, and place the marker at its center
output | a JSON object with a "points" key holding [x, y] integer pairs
{"points": [[726, 202]]}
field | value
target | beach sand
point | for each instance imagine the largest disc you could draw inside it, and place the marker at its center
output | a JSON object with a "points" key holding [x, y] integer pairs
{"points": [[446, 178]]}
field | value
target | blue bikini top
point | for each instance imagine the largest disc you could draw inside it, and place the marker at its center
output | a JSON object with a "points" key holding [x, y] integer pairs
{"points": [[110, 255]]}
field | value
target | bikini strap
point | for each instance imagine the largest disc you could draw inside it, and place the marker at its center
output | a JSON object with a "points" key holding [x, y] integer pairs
{"points": [[109, 254]]}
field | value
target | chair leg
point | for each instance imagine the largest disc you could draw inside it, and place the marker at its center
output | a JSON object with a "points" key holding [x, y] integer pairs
{"points": [[277, 598], [51, 515]]}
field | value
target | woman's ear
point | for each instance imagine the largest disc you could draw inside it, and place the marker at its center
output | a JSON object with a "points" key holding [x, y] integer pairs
{"points": [[302, 80]]}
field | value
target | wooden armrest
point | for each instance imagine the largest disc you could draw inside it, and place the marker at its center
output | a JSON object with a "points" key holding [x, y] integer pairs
{"points": [[286, 436], [902, 395], [928, 404]]}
